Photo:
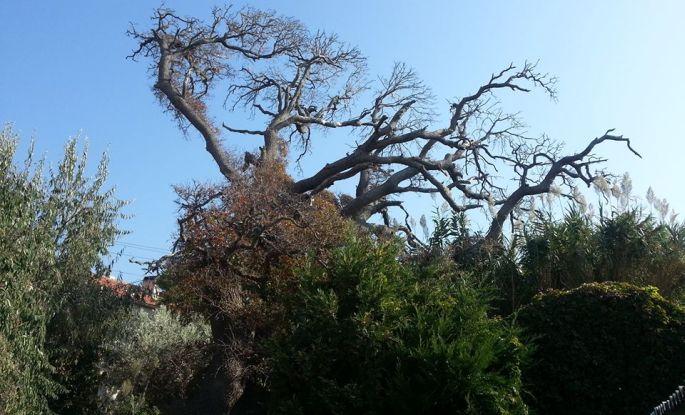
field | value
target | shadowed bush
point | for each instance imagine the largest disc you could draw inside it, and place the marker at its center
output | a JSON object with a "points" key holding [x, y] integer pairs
{"points": [[603, 348]]}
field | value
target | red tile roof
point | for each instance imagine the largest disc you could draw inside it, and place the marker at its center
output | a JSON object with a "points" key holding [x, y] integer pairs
{"points": [[123, 289]]}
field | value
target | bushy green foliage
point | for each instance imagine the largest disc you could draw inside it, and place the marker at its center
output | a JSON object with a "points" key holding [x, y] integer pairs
{"points": [[624, 247], [54, 228], [150, 362], [551, 253], [371, 334], [89, 314], [603, 348], [493, 265]]}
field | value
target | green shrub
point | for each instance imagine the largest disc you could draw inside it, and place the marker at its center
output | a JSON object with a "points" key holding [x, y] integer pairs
{"points": [[87, 317], [565, 253], [150, 362], [55, 225], [494, 265], [603, 348], [370, 334]]}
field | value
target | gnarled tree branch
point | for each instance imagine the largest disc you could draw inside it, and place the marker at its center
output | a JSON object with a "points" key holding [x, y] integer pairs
{"points": [[302, 83]]}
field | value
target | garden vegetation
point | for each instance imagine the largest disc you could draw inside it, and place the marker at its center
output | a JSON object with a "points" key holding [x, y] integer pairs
{"points": [[284, 297]]}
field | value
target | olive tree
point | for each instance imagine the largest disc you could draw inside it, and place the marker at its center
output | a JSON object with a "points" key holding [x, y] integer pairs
{"points": [[55, 227]]}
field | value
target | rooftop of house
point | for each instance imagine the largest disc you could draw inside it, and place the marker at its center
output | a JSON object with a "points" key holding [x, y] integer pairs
{"points": [[145, 295]]}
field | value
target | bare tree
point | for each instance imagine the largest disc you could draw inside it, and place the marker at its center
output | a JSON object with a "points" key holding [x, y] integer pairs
{"points": [[303, 83]]}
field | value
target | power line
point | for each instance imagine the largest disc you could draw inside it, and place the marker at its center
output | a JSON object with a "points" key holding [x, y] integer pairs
{"points": [[139, 257], [131, 256], [143, 247], [136, 246]]}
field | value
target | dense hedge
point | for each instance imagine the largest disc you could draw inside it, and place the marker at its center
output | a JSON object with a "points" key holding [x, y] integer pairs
{"points": [[603, 348]]}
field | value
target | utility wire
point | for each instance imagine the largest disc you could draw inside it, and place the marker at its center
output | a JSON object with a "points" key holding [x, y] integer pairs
{"points": [[125, 272], [143, 247]]}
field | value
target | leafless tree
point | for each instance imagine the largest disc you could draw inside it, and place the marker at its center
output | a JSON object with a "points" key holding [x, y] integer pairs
{"points": [[300, 84], [303, 83]]}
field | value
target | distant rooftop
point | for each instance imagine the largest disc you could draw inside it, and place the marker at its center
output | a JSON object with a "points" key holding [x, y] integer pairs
{"points": [[143, 296]]}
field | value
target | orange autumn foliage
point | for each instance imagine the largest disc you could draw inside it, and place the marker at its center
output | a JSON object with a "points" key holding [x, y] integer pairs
{"points": [[241, 241]]}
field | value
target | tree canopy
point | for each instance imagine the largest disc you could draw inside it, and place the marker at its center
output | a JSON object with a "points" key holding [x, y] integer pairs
{"points": [[55, 227], [302, 82]]}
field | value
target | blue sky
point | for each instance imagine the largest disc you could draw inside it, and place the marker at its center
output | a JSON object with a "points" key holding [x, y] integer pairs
{"points": [[619, 65]]}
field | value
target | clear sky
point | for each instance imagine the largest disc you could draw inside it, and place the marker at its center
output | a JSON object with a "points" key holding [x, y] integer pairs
{"points": [[619, 63]]}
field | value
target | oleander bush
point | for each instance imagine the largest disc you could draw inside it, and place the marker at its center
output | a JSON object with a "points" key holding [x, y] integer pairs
{"points": [[626, 246], [548, 252]]}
